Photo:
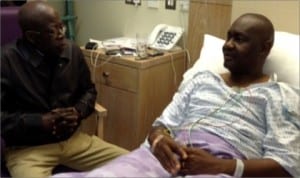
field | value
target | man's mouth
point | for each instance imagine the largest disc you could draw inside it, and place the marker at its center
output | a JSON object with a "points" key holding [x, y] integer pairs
{"points": [[228, 57], [63, 43]]}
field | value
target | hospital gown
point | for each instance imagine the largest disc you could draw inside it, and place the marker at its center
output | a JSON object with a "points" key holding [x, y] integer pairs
{"points": [[259, 121]]}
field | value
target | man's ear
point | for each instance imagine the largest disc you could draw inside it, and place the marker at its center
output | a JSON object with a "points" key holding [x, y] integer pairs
{"points": [[31, 36], [266, 48]]}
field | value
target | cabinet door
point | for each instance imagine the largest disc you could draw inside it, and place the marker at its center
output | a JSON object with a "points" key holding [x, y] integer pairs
{"points": [[120, 124], [157, 86]]}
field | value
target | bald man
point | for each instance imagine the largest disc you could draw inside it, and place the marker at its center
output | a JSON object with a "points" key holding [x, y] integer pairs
{"points": [[237, 124], [46, 91]]}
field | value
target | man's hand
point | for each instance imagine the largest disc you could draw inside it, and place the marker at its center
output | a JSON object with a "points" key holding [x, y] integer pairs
{"points": [[49, 120], [69, 114], [199, 161], [67, 123], [61, 122], [167, 151]]}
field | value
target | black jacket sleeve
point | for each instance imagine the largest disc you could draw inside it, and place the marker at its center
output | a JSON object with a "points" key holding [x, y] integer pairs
{"points": [[86, 102]]}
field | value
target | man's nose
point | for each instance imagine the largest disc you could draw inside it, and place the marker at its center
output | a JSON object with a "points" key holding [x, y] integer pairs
{"points": [[61, 32], [229, 43]]}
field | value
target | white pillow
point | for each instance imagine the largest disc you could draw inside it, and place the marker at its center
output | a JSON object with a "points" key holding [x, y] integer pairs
{"points": [[282, 60]]}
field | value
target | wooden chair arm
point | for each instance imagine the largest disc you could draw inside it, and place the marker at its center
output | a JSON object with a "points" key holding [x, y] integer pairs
{"points": [[93, 125], [101, 113]]}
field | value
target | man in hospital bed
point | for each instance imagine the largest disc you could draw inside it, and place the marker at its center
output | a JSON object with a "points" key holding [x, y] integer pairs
{"points": [[241, 123]]}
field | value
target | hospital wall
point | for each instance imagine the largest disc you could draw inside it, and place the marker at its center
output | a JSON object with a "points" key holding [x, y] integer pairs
{"points": [[102, 19], [283, 13]]}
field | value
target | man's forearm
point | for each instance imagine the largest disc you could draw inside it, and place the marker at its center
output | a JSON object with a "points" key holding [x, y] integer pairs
{"points": [[156, 131], [85, 106]]}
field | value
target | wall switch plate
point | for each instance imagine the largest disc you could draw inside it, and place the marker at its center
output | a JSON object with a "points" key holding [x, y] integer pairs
{"points": [[153, 3], [128, 1], [133, 2], [136, 2], [184, 4], [170, 4]]}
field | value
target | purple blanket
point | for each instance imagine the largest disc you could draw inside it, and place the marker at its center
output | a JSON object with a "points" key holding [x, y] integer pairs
{"points": [[142, 163]]}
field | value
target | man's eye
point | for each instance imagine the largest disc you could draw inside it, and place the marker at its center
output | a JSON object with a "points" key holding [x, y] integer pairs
{"points": [[239, 39], [51, 31]]}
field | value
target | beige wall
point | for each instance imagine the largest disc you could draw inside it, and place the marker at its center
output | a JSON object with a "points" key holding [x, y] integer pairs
{"points": [[103, 19], [283, 13], [59, 5]]}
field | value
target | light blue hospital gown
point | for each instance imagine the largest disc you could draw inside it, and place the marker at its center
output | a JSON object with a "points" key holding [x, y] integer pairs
{"points": [[270, 124], [261, 121]]}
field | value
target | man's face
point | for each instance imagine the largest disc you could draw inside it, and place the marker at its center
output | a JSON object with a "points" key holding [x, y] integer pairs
{"points": [[242, 47], [52, 35]]}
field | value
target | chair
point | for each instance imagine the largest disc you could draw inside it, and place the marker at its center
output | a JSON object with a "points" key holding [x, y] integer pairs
{"points": [[9, 24], [95, 126]]}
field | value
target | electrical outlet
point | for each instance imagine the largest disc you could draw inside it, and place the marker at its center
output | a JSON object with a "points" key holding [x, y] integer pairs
{"points": [[170, 4]]}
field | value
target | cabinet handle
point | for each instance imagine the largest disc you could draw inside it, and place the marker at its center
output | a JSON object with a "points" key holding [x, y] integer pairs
{"points": [[105, 74]]}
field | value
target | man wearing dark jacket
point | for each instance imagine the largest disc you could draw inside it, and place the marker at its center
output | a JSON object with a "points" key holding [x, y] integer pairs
{"points": [[46, 91]]}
